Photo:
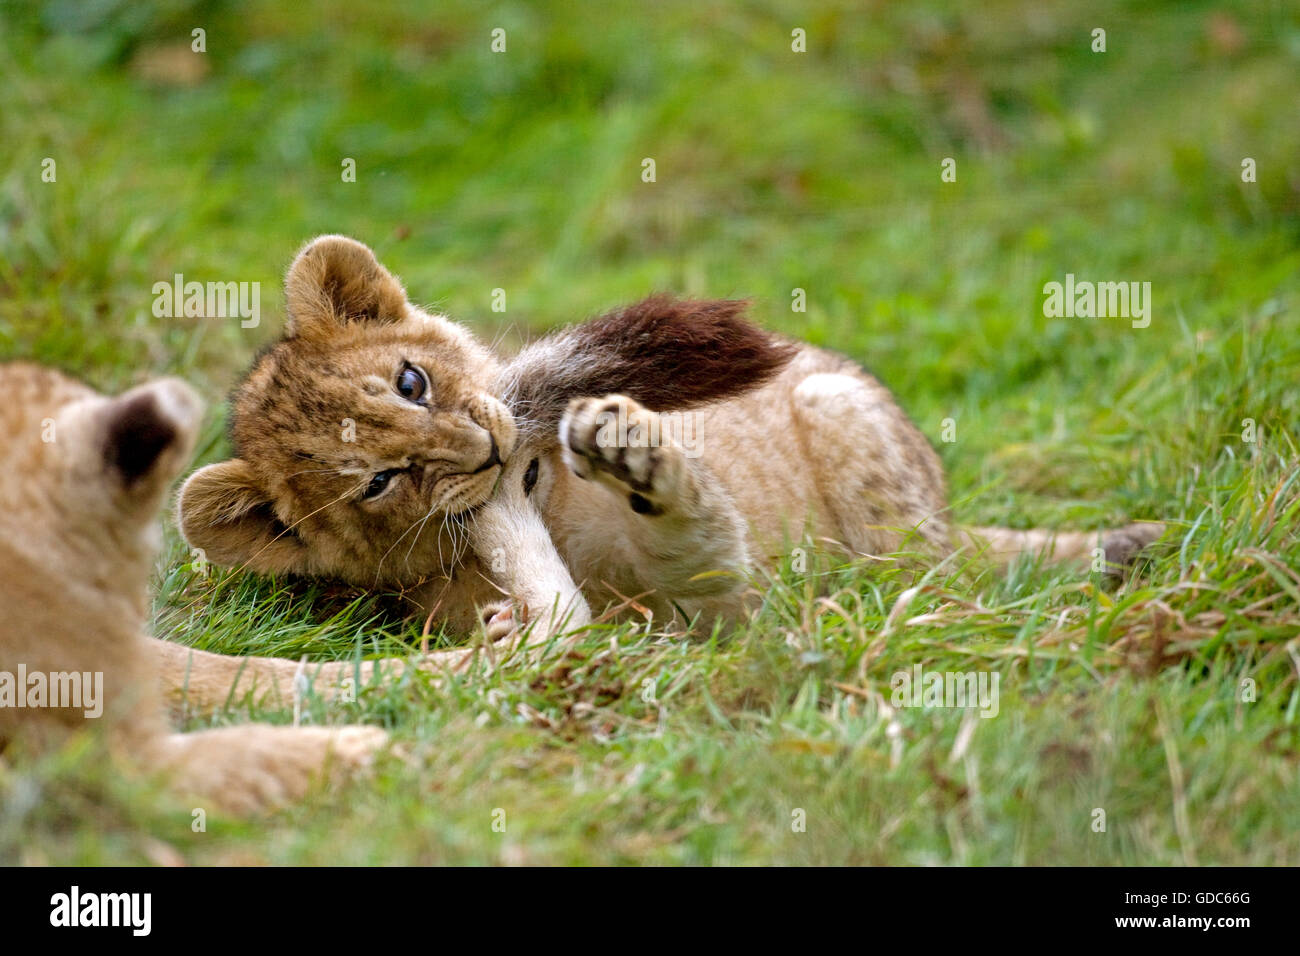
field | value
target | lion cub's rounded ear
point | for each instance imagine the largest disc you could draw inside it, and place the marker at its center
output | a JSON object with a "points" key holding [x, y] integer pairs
{"points": [[336, 281], [223, 512]]}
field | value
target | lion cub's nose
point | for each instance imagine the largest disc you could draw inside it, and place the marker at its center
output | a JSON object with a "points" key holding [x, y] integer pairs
{"points": [[493, 458]]}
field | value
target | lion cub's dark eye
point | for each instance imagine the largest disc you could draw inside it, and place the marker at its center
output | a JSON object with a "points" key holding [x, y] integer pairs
{"points": [[530, 477], [412, 383], [379, 483]]}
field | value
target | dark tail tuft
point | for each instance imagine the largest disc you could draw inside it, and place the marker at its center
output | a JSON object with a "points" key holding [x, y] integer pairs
{"points": [[666, 353]]}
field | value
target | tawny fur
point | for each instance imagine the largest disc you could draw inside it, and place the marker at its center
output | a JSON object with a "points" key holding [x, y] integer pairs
{"points": [[793, 441], [83, 482]]}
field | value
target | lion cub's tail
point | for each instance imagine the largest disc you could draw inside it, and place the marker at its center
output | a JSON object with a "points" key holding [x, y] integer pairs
{"points": [[1119, 547], [669, 354]]}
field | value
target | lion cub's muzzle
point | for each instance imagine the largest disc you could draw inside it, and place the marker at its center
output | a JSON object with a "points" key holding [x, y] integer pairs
{"points": [[492, 415], [493, 458]]}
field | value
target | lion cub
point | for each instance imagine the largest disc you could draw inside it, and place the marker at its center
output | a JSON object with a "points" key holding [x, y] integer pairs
{"points": [[82, 485], [653, 456]]}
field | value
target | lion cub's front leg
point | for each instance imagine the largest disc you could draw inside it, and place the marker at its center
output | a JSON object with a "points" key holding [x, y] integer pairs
{"points": [[675, 521], [257, 767]]}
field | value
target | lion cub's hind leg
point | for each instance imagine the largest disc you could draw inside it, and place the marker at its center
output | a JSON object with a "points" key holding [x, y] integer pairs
{"points": [[877, 475]]}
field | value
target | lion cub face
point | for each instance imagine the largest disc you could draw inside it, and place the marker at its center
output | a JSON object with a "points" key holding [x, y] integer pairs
{"points": [[365, 438]]}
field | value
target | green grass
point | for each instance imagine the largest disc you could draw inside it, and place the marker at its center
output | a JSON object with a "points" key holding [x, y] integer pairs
{"points": [[775, 170]]}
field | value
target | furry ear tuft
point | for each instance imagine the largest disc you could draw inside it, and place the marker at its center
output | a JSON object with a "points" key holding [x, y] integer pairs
{"points": [[223, 512], [149, 432], [666, 353], [336, 281]]}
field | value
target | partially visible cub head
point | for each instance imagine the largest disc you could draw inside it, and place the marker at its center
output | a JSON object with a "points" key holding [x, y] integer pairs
{"points": [[83, 480], [363, 439]]}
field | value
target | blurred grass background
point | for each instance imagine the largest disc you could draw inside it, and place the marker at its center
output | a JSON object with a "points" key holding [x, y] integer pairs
{"points": [[775, 170]]}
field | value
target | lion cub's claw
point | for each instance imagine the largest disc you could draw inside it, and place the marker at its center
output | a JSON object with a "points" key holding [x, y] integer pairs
{"points": [[498, 620]]}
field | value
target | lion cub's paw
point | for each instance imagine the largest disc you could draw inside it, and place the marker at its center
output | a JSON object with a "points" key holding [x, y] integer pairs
{"points": [[304, 753], [498, 620], [621, 444], [354, 747]]}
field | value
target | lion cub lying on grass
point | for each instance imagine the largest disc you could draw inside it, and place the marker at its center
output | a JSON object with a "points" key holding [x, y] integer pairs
{"points": [[382, 444], [84, 477]]}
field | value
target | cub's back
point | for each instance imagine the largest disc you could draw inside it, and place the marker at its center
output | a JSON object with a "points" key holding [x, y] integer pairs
{"points": [[824, 438]]}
